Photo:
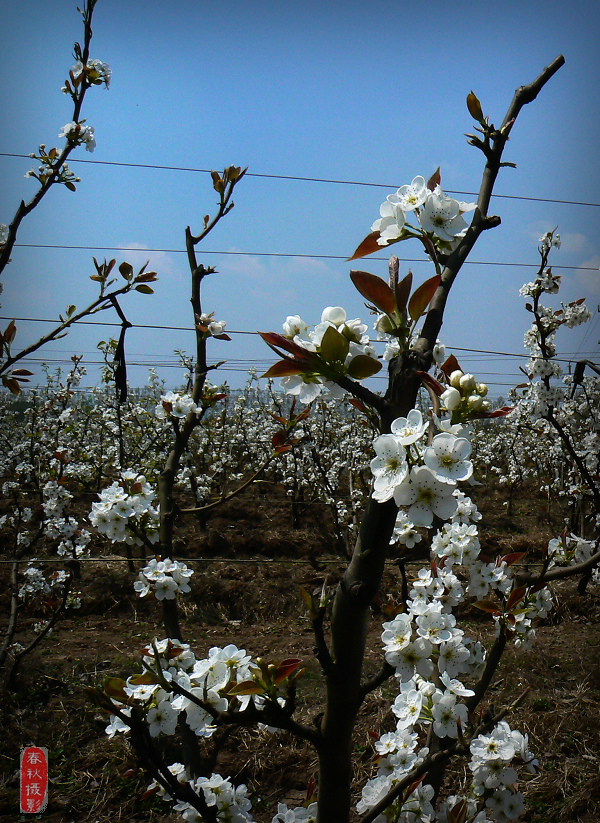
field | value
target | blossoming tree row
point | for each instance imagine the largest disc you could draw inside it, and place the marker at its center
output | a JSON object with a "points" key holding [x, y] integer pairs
{"points": [[418, 467]]}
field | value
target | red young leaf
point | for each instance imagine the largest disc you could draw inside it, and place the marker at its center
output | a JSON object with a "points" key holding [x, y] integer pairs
{"points": [[511, 559], [150, 792], [487, 606], [275, 341], [368, 246], [450, 365], [403, 292], [422, 296], [358, 404], [145, 679], [501, 412], [375, 290], [11, 330], [247, 687], [279, 438], [286, 668], [516, 596], [434, 180], [430, 381], [115, 687], [474, 107], [283, 368], [11, 384]]}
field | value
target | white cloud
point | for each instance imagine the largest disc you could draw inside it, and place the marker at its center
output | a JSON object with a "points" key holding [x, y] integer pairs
{"points": [[573, 242], [161, 262], [590, 280]]}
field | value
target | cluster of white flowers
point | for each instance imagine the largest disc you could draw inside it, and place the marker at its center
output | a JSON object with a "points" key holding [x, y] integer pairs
{"points": [[307, 387], [3, 234], [49, 586], [37, 583], [167, 578], [430, 655], [539, 339], [573, 550], [494, 776], [126, 507], [438, 215], [214, 328], [78, 134], [300, 814], [231, 802], [74, 541], [174, 404], [427, 489], [206, 680], [95, 71]]}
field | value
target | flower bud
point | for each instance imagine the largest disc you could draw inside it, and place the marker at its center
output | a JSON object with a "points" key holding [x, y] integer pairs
{"points": [[467, 383], [474, 107], [455, 378], [482, 389], [333, 314], [450, 399], [475, 402], [218, 182]]}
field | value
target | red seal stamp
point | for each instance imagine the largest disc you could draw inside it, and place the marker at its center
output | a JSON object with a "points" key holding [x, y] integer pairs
{"points": [[34, 779]]}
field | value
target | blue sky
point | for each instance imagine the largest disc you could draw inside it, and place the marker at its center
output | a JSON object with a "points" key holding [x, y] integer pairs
{"points": [[369, 92]]}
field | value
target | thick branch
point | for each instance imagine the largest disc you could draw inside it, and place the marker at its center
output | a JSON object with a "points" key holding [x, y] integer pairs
{"points": [[560, 573]]}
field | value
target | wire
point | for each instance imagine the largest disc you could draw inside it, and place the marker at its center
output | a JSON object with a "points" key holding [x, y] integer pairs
{"points": [[519, 355], [283, 254], [309, 180]]}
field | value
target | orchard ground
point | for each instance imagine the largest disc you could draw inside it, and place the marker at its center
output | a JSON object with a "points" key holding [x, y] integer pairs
{"points": [[256, 604]]}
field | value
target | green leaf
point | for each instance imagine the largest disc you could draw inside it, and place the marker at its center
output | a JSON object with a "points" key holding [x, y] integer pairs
{"points": [[144, 289], [363, 366], [146, 679], [334, 346], [115, 687], [70, 186], [375, 290], [422, 296]]}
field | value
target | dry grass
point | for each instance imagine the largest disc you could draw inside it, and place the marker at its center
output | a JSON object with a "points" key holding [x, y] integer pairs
{"points": [[258, 606]]}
